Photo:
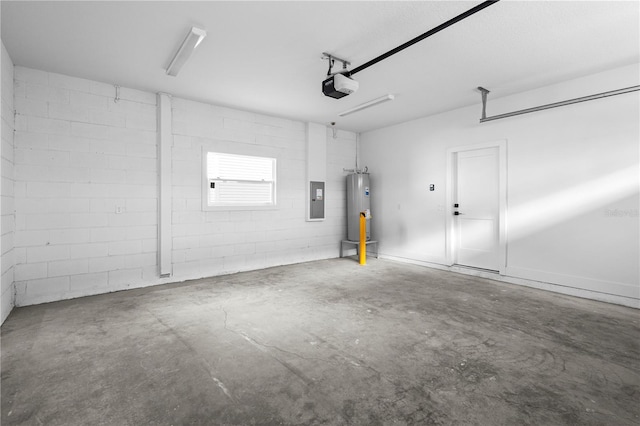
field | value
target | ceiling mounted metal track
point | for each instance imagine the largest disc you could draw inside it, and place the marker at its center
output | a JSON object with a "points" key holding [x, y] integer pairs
{"points": [[484, 93], [421, 37]]}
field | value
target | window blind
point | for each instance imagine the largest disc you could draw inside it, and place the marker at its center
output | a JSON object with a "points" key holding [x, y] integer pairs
{"points": [[240, 180]]}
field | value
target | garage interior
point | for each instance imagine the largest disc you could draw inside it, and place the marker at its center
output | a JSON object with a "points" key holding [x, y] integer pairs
{"points": [[181, 233]]}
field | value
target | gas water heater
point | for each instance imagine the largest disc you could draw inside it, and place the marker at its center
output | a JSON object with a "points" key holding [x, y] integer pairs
{"points": [[358, 200]]}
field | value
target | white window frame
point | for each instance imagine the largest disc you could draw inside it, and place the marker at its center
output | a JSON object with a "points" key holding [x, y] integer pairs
{"points": [[206, 181]]}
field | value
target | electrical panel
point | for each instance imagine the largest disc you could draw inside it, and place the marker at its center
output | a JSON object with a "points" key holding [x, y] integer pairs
{"points": [[317, 196]]}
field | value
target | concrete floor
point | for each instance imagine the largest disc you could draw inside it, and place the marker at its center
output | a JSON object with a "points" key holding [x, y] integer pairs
{"points": [[328, 343]]}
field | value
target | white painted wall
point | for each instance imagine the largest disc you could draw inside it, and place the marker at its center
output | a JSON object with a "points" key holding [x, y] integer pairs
{"points": [[79, 158], [572, 185], [7, 205], [316, 140], [86, 171], [216, 242]]}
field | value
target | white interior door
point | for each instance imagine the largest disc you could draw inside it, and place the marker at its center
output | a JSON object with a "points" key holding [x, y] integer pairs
{"points": [[476, 217]]}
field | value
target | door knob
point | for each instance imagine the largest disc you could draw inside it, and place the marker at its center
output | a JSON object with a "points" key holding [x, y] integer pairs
{"points": [[457, 213]]}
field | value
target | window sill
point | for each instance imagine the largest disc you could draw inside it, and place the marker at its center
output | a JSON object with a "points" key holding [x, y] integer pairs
{"points": [[237, 208]]}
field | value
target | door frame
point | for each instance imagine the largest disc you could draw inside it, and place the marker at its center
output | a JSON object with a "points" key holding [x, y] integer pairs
{"points": [[502, 194]]}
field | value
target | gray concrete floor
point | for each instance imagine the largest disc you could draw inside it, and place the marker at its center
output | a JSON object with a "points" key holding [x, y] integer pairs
{"points": [[326, 342]]}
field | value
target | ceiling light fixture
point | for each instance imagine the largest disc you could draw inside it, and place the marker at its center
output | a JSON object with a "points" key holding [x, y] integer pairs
{"points": [[369, 104], [193, 39]]}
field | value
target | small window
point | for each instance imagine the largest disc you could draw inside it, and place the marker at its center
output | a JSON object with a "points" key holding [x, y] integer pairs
{"points": [[240, 180]]}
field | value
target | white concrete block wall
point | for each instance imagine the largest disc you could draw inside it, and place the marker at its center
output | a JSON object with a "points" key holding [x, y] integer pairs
{"points": [[7, 201], [86, 187], [215, 242], [341, 154]]}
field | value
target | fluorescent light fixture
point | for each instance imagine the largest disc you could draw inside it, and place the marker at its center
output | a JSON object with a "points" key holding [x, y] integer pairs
{"points": [[193, 39], [366, 105]]}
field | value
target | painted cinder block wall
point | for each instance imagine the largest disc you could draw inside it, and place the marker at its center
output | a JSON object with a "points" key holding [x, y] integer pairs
{"points": [[86, 185], [7, 204], [79, 157], [213, 242], [572, 186]]}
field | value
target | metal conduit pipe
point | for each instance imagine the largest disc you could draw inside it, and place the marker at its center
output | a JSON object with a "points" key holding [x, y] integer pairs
{"points": [[548, 106]]}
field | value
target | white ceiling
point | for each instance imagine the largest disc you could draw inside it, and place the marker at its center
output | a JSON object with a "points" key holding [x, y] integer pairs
{"points": [[265, 56]]}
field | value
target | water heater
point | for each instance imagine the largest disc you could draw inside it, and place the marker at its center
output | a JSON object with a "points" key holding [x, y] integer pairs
{"points": [[358, 200]]}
